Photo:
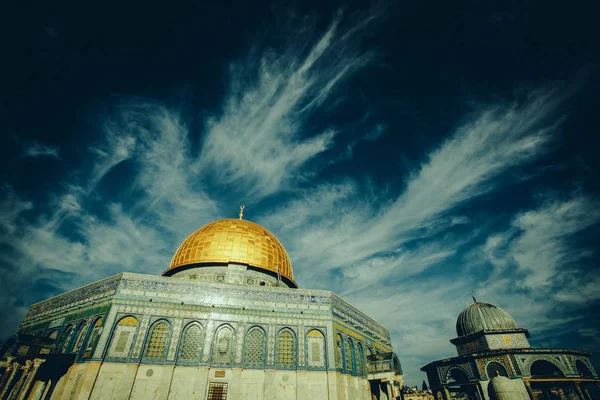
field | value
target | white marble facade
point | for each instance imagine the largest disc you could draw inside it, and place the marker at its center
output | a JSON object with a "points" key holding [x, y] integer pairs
{"points": [[153, 337]]}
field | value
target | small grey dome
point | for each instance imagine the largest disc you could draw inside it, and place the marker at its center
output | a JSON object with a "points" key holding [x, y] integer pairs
{"points": [[483, 316], [502, 388]]}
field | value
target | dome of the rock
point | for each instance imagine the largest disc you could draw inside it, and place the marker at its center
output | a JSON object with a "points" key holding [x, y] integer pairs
{"points": [[232, 241]]}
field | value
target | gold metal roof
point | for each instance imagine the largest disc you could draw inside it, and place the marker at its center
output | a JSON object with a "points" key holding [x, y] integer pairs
{"points": [[236, 241]]}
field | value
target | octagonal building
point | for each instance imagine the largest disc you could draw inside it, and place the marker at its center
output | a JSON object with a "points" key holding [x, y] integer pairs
{"points": [[226, 320]]}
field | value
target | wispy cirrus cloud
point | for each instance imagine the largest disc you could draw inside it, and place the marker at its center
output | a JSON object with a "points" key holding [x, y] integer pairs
{"points": [[539, 246], [351, 228], [262, 138], [37, 150]]}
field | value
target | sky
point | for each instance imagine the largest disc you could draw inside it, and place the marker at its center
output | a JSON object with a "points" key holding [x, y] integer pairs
{"points": [[404, 154]]}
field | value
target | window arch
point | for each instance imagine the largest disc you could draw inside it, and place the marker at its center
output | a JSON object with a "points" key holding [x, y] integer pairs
{"points": [[339, 358], [156, 347], [349, 356], [457, 375], [543, 368], [397, 365], [583, 369], [360, 359], [254, 347], [223, 346], [315, 343], [80, 337], [192, 343], [122, 338], [67, 338], [93, 339], [53, 334], [286, 349], [495, 369]]}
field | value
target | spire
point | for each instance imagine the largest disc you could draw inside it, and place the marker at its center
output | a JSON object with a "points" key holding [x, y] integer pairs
{"points": [[473, 296], [242, 211]]}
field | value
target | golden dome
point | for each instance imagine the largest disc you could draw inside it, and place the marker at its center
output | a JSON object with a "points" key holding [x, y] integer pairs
{"points": [[233, 240]]}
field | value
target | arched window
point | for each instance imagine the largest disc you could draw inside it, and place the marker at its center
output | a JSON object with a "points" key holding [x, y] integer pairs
{"points": [[93, 340], [254, 347], [122, 339], [286, 350], [193, 340], [583, 369], [360, 356], [222, 348], [80, 337], [458, 375], [67, 338], [397, 365], [339, 358], [495, 369], [543, 368], [156, 347], [348, 354], [315, 343]]}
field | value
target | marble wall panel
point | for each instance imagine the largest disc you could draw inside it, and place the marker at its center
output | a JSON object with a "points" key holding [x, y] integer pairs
{"points": [[152, 382], [115, 381], [189, 383]]}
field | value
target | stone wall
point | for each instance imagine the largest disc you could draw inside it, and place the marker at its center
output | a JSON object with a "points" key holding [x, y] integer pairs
{"points": [[158, 382]]}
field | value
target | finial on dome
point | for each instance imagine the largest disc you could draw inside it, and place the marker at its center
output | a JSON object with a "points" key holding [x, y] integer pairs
{"points": [[473, 296], [242, 211]]}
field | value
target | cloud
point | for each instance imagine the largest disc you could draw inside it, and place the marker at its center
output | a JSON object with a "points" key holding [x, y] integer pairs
{"points": [[11, 207], [263, 137], [118, 145], [37, 150], [169, 172], [539, 244], [378, 130], [352, 227], [397, 265]]}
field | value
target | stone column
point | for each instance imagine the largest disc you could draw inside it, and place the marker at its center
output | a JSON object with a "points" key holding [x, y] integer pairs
{"points": [[579, 392], [47, 389], [17, 389], [37, 390], [480, 391], [528, 387], [446, 393], [29, 381], [7, 371], [391, 393], [13, 373], [383, 391]]}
